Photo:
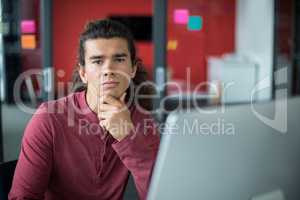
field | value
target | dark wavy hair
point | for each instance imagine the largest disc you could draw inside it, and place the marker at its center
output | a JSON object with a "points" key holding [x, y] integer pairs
{"points": [[107, 29]]}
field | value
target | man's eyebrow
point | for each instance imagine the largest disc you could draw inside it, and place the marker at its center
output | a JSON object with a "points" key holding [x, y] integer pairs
{"points": [[118, 55], [96, 57]]}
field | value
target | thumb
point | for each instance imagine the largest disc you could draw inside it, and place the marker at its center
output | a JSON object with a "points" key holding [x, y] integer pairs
{"points": [[122, 98]]}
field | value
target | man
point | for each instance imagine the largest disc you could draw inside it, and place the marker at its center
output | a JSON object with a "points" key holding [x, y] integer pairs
{"points": [[84, 146]]}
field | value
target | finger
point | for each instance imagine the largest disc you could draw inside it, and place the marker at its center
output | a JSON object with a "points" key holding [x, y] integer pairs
{"points": [[105, 115], [107, 107], [112, 101], [103, 124], [122, 98], [101, 103]]}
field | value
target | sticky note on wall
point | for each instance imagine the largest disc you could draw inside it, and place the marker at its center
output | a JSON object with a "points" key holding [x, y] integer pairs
{"points": [[28, 26], [172, 45], [181, 16], [28, 41], [195, 23]]}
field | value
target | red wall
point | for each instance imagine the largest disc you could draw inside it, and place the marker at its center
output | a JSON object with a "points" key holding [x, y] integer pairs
{"points": [[216, 38], [194, 47], [31, 58]]}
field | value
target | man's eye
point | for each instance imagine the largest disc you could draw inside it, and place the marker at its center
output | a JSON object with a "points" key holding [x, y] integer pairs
{"points": [[98, 62], [120, 59]]}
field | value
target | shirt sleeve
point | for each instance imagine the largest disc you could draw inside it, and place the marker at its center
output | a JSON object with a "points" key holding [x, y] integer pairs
{"points": [[34, 165], [138, 153]]}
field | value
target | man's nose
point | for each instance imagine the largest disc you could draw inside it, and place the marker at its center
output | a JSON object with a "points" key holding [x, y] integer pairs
{"points": [[108, 73], [108, 69]]}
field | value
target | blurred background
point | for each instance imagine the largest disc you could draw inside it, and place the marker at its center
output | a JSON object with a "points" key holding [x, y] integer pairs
{"points": [[190, 44]]}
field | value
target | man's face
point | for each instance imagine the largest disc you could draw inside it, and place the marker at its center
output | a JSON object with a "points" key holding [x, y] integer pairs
{"points": [[108, 67]]}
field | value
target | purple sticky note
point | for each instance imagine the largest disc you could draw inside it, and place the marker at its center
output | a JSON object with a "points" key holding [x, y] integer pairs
{"points": [[28, 26], [181, 16]]}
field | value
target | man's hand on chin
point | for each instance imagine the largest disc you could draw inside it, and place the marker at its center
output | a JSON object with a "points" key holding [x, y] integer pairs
{"points": [[114, 116]]}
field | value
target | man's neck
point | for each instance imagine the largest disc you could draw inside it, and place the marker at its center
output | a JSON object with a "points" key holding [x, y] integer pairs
{"points": [[91, 101]]}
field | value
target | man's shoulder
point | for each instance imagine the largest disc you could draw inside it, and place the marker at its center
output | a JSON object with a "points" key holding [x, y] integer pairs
{"points": [[59, 105]]}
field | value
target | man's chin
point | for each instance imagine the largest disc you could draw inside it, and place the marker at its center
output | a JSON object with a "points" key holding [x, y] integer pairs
{"points": [[113, 93]]}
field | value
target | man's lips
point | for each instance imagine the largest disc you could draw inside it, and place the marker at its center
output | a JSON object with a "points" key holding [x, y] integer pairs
{"points": [[109, 84]]}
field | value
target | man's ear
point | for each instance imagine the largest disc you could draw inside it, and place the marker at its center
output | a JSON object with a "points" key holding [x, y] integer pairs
{"points": [[82, 74], [134, 69]]}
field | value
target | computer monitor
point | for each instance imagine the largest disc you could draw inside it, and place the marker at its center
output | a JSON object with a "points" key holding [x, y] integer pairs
{"points": [[236, 153]]}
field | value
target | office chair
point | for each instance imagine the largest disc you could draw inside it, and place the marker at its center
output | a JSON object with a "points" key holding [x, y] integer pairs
{"points": [[7, 170]]}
